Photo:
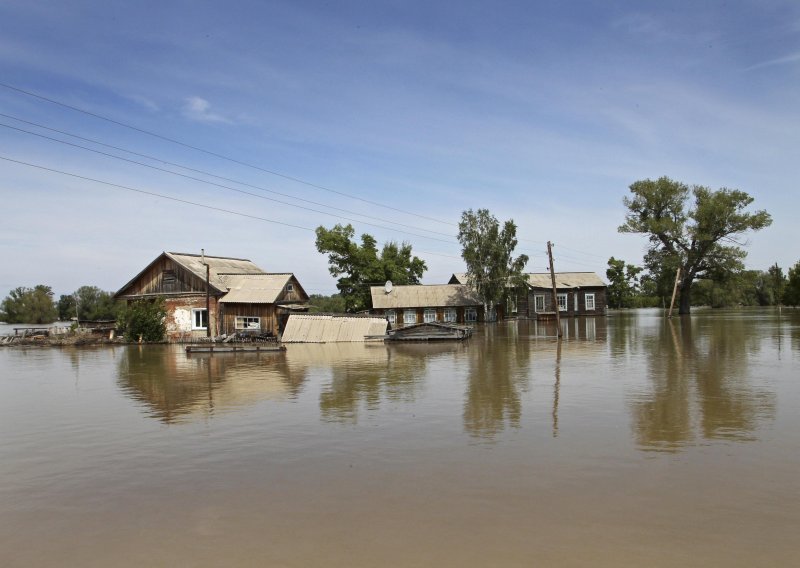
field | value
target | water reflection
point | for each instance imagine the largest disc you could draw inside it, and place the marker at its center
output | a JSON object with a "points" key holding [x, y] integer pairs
{"points": [[499, 360], [175, 387], [699, 377]]}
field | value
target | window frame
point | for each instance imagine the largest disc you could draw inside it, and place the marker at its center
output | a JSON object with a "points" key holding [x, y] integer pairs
{"points": [[536, 299], [562, 306], [391, 316], [470, 314], [237, 327], [450, 315], [429, 315], [409, 317], [586, 298], [199, 312]]}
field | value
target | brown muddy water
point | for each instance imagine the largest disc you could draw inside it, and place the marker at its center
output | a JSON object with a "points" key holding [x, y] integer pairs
{"points": [[636, 442]]}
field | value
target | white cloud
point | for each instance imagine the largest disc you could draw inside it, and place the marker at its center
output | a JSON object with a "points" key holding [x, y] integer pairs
{"points": [[199, 109]]}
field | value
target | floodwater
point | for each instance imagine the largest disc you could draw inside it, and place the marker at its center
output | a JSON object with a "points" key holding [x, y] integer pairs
{"points": [[635, 441]]}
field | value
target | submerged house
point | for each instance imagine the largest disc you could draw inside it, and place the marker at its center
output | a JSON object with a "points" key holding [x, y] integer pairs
{"points": [[241, 296], [577, 294], [423, 303]]}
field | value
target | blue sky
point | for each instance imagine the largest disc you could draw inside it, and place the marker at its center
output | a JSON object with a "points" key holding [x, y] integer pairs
{"points": [[544, 112]]}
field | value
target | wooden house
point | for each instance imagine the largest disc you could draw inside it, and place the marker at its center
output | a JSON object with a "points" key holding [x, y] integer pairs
{"points": [[578, 294], [407, 305], [242, 297]]}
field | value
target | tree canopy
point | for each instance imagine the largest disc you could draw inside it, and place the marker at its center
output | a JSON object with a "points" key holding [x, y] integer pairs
{"points": [[92, 304], [791, 294], [360, 266], [488, 252], [701, 237], [145, 319], [623, 282], [29, 305]]}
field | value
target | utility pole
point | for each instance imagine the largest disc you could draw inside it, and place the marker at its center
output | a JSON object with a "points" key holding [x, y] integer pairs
{"points": [[555, 293], [208, 292], [674, 291]]}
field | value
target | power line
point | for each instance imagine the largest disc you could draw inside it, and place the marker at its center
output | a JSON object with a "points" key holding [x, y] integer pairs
{"points": [[216, 154], [203, 172], [153, 194], [219, 185]]}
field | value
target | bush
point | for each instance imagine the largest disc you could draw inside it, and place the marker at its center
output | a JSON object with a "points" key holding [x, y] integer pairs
{"points": [[145, 319]]}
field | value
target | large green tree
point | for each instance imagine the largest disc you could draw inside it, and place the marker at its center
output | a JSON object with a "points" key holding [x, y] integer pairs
{"points": [[623, 282], [488, 252], [360, 266], [701, 236], [791, 294], [92, 304], [145, 320], [29, 305]]}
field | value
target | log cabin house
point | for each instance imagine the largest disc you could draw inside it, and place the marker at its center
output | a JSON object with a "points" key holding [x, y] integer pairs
{"points": [[423, 303], [242, 297], [578, 294]]}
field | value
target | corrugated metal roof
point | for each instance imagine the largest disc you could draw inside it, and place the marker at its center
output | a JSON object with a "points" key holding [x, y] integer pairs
{"points": [[253, 288], [419, 296], [565, 280], [309, 328]]}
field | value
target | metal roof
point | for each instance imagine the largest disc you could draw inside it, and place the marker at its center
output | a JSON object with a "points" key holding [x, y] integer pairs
{"points": [[565, 280], [309, 328], [421, 296], [253, 288], [542, 279]]}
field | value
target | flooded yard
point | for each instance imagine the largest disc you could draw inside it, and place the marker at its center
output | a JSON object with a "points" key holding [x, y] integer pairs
{"points": [[635, 441]]}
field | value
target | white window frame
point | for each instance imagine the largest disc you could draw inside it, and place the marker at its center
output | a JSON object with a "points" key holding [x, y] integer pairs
{"points": [[589, 299], [539, 299], [563, 301], [450, 315], [409, 317], [429, 315], [470, 315], [575, 302], [197, 319], [391, 316], [247, 322]]}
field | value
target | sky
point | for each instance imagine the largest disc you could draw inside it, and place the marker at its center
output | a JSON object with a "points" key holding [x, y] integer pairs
{"points": [[132, 128]]}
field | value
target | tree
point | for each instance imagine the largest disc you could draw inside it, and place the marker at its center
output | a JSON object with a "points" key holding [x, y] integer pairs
{"points": [[488, 253], [333, 304], [623, 281], [701, 238], [29, 305], [95, 304], [362, 266], [771, 286], [791, 294], [145, 319]]}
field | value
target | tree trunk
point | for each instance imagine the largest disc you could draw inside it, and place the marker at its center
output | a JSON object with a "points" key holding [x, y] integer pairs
{"points": [[685, 305]]}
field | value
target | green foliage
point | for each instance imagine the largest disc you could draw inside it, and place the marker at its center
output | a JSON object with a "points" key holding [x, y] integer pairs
{"points": [[145, 318], [360, 267], [29, 305], [791, 295], [92, 304], [771, 286], [488, 253], [695, 237], [623, 283], [333, 304]]}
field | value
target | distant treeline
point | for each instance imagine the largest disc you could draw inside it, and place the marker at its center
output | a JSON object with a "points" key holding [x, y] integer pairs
{"points": [[37, 305]]}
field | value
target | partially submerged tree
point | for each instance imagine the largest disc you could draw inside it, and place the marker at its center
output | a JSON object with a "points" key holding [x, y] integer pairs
{"points": [[360, 267], [623, 282], [145, 319], [29, 305], [791, 294], [488, 252], [702, 237]]}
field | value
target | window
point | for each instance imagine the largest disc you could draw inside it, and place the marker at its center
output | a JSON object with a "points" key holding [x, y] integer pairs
{"points": [[589, 299], [245, 322], [538, 302], [391, 316], [562, 302], [410, 316], [199, 318], [429, 315], [450, 315], [290, 287], [471, 314]]}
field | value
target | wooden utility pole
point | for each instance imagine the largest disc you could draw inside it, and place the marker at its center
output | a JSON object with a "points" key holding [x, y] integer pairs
{"points": [[674, 291], [555, 293]]}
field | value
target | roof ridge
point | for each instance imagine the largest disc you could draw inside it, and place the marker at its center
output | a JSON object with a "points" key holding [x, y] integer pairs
{"points": [[210, 256]]}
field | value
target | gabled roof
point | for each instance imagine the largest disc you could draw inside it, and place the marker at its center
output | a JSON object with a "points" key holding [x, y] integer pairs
{"points": [[420, 296], [542, 279], [253, 288], [218, 266]]}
